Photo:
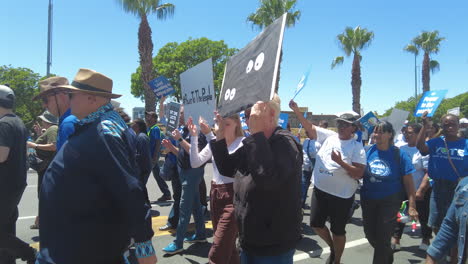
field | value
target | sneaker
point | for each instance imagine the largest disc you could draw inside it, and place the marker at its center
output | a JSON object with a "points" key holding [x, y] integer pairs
{"points": [[164, 198], [423, 246], [194, 239], [165, 227], [172, 249], [331, 258]]}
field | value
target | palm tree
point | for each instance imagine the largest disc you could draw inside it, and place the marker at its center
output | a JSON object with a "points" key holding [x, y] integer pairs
{"points": [[268, 12], [142, 9], [353, 41], [429, 42], [414, 50]]}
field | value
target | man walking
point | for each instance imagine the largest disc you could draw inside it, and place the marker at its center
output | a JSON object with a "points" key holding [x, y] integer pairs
{"points": [[92, 203], [13, 137]]}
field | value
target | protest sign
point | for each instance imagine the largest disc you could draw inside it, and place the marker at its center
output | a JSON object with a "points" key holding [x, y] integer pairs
{"points": [[161, 87], [397, 118], [368, 121], [454, 111], [283, 120], [243, 120], [251, 74], [429, 102], [302, 83], [198, 94], [173, 115]]}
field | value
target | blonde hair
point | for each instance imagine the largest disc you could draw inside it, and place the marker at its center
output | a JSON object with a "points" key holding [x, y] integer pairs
{"points": [[238, 132], [275, 104]]}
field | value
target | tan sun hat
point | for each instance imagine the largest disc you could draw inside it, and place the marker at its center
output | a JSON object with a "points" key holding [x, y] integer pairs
{"points": [[50, 85], [91, 82]]}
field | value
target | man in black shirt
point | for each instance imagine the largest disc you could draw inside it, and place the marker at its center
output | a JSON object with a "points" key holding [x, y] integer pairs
{"points": [[13, 137]]}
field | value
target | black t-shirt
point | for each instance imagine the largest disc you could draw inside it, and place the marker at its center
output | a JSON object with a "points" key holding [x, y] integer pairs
{"points": [[13, 134]]}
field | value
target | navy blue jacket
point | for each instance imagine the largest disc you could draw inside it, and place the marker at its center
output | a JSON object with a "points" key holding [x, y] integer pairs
{"points": [[91, 202]]}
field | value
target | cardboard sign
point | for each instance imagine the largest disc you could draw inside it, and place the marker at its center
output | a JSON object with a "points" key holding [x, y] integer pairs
{"points": [[283, 120], [198, 94], [251, 74], [161, 87], [302, 83], [369, 121], [397, 118], [429, 102], [173, 115]]}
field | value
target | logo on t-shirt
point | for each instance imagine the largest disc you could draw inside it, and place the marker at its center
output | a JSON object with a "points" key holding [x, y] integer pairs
{"points": [[379, 169], [458, 154]]}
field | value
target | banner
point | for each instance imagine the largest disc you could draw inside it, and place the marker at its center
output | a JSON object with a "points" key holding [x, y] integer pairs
{"points": [[161, 87], [369, 121], [173, 115], [283, 120], [429, 102], [302, 83], [251, 74], [198, 94], [454, 111]]}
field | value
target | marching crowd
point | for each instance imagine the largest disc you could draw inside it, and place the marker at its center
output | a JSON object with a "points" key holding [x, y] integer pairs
{"points": [[93, 165]]}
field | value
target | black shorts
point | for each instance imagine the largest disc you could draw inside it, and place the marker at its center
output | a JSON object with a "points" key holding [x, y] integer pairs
{"points": [[324, 205]]}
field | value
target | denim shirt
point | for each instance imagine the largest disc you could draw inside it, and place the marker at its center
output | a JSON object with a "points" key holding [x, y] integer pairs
{"points": [[453, 229]]}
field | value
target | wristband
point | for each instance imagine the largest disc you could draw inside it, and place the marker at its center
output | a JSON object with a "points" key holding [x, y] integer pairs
{"points": [[144, 249]]}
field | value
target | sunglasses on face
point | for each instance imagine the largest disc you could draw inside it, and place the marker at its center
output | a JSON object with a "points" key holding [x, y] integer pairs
{"points": [[343, 124]]}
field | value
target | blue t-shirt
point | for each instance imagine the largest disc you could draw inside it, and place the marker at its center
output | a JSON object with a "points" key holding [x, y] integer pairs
{"points": [[383, 177], [154, 134], [66, 128], [439, 166]]}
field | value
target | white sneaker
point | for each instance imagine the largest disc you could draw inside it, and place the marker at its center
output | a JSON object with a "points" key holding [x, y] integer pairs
{"points": [[423, 246]]}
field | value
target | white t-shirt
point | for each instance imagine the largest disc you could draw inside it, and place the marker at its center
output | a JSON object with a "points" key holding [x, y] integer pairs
{"points": [[323, 134], [330, 177], [310, 148], [419, 163], [199, 158]]}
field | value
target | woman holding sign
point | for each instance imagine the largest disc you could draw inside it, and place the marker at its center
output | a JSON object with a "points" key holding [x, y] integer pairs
{"points": [[223, 249]]}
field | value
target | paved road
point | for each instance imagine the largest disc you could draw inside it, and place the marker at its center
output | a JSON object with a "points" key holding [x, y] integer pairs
{"points": [[311, 249]]}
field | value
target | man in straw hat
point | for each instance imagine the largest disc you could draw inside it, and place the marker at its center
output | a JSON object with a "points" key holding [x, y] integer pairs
{"points": [[57, 102], [92, 203], [13, 136]]}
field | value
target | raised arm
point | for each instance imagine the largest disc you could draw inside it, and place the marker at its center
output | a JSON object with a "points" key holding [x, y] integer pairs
{"points": [[306, 124], [421, 141]]}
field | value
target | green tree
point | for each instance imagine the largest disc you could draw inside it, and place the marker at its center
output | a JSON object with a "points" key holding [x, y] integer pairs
{"points": [[429, 42], [173, 59], [268, 12], [24, 83], [353, 41], [142, 9]]}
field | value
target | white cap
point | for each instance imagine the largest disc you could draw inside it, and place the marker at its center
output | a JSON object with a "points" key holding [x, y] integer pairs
{"points": [[464, 121]]}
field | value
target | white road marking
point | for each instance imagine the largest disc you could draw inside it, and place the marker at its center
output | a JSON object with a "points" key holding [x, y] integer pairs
{"points": [[31, 186], [325, 251], [26, 217]]}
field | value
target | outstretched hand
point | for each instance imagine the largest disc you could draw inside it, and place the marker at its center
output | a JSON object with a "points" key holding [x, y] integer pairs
{"points": [[192, 128], [204, 127], [293, 105]]}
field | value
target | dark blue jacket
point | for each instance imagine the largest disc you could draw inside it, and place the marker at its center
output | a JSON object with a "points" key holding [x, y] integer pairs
{"points": [[91, 202]]}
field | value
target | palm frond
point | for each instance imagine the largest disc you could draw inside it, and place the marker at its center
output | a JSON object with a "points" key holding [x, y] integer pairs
{"points": [[337, 61], [434, 66], [164, 11], [411, 48]]}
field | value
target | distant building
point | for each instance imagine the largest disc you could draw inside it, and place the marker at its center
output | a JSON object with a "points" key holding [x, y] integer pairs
{"points": [[294, 122], [138, 112]]}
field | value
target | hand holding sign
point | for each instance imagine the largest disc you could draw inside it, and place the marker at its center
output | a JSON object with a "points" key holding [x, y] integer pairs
{"points": [[204, 127], [219, 127]]}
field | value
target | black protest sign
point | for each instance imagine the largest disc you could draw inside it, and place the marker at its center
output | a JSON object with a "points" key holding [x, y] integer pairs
{"points": [[251, 74], [173, 114]]}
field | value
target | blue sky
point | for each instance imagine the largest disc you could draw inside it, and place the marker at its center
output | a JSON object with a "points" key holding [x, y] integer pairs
{"points": [[98, 34]]}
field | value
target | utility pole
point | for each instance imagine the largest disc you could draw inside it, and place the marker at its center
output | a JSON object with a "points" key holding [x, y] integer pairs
{"points": [[49, 39]]}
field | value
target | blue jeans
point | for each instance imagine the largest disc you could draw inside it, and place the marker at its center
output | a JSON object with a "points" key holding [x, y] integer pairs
{"points": [[441, 198], [190, 203], [306, 176], [285, 258], [173, 218], [161, 183]]}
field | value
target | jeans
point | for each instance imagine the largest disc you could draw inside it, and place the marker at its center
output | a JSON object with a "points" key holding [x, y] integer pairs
{"points": [[11, 246], [285, 258], [190, 203], [223, 250], [441, 198], [161, 183], [306, 176], [173, 218], [379, 218]]}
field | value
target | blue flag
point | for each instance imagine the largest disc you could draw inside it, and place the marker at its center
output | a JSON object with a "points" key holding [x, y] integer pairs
{"points": [[302, 83], [161, 87], [369, 121], [243, 121], [429, 102], [283, 120]]}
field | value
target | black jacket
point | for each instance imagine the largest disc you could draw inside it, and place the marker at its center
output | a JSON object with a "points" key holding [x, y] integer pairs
{"points": [[267, 190]]}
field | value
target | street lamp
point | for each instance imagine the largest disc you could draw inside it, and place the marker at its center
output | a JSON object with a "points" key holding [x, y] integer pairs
{"points": [[49, 39]]}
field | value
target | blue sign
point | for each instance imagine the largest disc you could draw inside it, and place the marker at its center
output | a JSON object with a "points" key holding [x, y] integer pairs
{"points": [[429, 102], [302, 83], [369, 121], [243, 121], [283, 120], [161, 87]]}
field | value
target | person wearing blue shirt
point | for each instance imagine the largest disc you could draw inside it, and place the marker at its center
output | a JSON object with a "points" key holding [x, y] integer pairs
{"points": [[454, 229], [154, 134], [92, 204], [57, 102], [388, 171]]}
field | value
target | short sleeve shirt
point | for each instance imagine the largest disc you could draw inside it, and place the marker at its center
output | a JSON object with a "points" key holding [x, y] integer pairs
{"points": [[154, 134], [48, 137], [439, 165]]}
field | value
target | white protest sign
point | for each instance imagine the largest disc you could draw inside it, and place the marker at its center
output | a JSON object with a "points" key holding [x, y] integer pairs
{"points": [[454, 111], [198, 95], [397, 118]]}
